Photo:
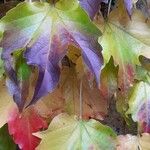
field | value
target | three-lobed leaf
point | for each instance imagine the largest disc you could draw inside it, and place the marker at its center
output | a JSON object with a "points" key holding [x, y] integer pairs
{"points": [[45, 32], [67, 132]]}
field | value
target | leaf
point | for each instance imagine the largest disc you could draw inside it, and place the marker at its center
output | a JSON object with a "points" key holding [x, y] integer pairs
{"points": [[19, 82], [65, 98], [108, 78], [125, 44], [139, 103], [51, 104], [20, 90], [22, 125], [129, 6], [67, 132], [6, 103], [91, 6], [94, 105], [6, 142], [66, 27]]}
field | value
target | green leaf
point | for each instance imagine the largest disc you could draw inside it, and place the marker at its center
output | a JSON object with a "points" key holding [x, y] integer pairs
{"points": [[125, 40], [22, 69], [6, 142], [67, 132]]}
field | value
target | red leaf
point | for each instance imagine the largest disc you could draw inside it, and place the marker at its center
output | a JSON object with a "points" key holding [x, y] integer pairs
{"points": [[22, 125]]}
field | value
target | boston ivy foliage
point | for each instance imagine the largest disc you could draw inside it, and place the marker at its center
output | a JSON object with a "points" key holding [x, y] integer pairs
{"points": [[63, 62]]}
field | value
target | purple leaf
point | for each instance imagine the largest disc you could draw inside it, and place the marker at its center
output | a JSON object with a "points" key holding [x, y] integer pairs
{"points": [[129, 6], [91, 6], [45, 33]]}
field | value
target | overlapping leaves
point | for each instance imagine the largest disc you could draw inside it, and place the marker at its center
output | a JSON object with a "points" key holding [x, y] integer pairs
{"points": [[125, 45], [40, 35], [66, 23]]}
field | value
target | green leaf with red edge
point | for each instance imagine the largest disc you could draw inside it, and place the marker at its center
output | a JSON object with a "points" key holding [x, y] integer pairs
{"points": [[6, 141], [67, 132], [22, 125]]}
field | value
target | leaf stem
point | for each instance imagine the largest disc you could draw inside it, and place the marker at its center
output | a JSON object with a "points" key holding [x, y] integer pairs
{"points": [[81, 100]]}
